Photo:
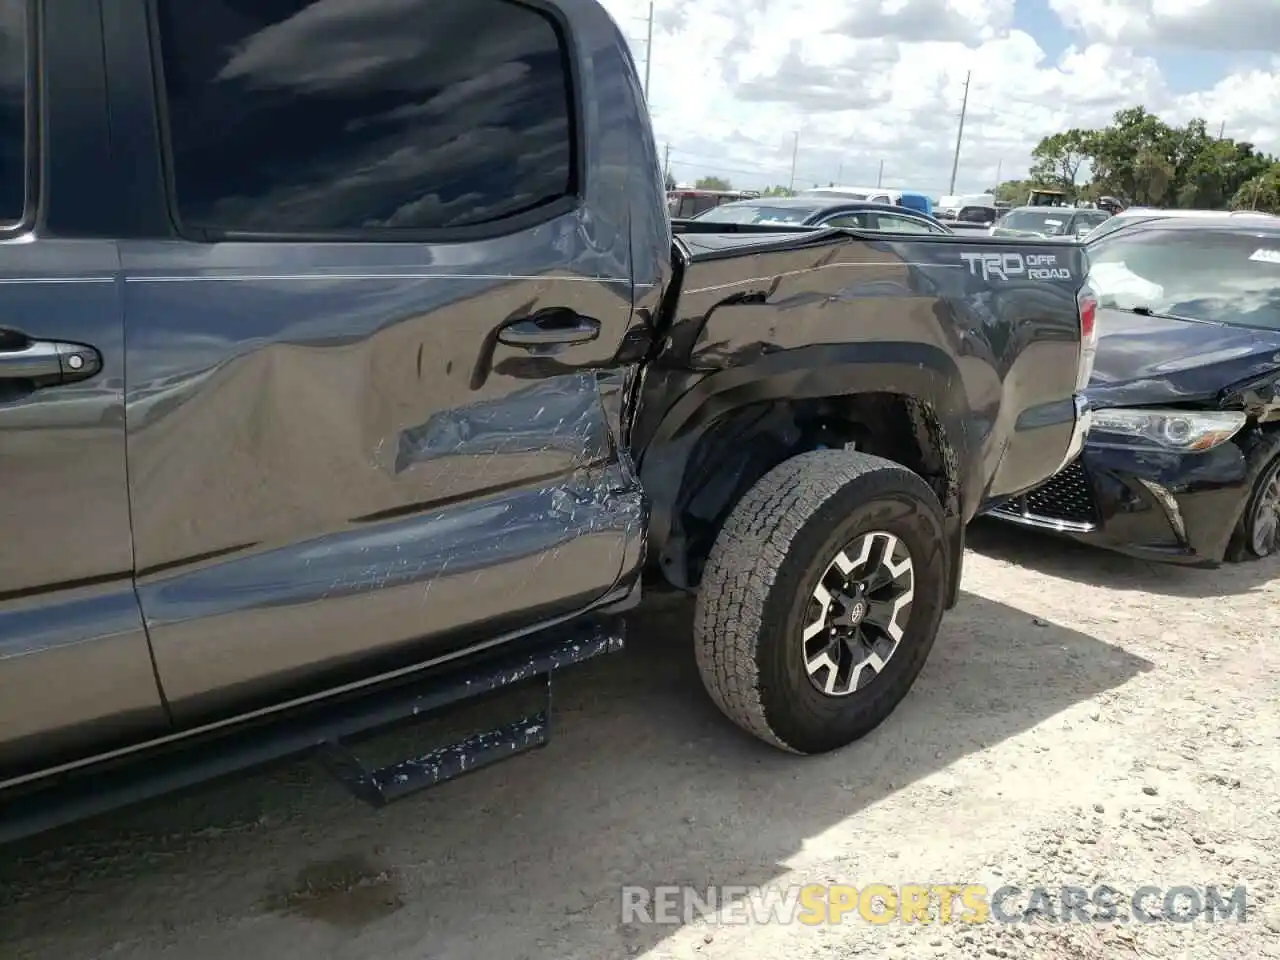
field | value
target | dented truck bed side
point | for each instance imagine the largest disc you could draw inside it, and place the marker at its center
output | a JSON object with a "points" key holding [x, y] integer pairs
{"points": [[982, 336]]}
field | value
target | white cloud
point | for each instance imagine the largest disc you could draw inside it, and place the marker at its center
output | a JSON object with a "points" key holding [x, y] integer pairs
{"points": [[865, 81], [970, 21], [1194, 24]]}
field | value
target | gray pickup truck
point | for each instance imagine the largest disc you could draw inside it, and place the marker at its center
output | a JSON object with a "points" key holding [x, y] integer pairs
{"points": [[351, 366]]}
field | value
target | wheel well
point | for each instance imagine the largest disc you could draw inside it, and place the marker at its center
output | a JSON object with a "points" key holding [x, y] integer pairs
{"points": [[746, 443]]}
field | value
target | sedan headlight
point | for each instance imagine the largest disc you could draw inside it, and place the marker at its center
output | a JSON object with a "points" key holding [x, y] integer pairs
{"points": [[1182, 431]]}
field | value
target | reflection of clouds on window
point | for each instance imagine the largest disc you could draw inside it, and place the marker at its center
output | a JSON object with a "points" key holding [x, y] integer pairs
{"points": [[503, 79], [351, 113], [431, 209]]}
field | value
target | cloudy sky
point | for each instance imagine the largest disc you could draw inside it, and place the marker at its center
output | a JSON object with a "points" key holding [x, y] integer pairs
{"points": [[865, 81]]}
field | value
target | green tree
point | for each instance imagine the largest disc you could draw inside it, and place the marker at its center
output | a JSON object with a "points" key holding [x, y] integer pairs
{"points": [[1154, 178], [671, 181], [1058, 159], [1260, 193], [1013, 191], [1133, 156], [777, 191], [1213, 177], [713, 183], [1140, 157]]}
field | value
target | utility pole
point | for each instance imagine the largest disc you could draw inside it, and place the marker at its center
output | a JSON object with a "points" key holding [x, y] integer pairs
{"points": [[1222, 129], [999, 170], [666, 162], [648, 53], [964, 108], [840, 174], [795, 153], [880, 175]]}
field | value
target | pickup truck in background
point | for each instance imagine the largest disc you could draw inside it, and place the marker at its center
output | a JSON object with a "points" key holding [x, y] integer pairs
{"points": [[344, 379]]}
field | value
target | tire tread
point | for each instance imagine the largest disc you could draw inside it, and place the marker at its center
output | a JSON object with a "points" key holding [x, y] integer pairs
{"points": [[744, 564]]}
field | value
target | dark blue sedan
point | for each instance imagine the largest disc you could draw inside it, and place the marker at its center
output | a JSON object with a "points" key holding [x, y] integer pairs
{"points": [[1182, 463], [818, 212]]}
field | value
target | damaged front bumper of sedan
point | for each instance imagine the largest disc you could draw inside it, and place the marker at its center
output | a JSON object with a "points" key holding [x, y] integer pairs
{"points": [[1162, 485]]}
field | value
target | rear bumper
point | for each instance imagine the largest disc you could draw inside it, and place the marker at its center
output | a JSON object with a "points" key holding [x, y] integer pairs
{"points": [[1080, 433], [1039, 507], [1058, 429]]}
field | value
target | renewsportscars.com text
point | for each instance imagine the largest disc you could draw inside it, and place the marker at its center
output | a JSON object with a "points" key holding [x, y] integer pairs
{"points": [[822, 904]]}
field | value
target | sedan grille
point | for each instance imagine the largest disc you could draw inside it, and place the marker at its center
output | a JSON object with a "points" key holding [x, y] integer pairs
{"points": [[1065, 500]]}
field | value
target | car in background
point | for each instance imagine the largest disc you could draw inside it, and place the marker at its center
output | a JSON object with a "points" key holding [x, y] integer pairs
{"points": [[686, 203], [1134, 215], [949, 206], [974, 217], [808, 211], [1047, 197], [873, 194], [1182, 463], [1042, 221], [911, 199]]}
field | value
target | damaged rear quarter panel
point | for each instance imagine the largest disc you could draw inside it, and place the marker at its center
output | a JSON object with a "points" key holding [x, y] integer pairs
{"points": [[830, 313]]}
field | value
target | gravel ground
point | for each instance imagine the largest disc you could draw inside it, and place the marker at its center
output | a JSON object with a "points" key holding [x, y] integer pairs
{"points": [[1084, 719]]}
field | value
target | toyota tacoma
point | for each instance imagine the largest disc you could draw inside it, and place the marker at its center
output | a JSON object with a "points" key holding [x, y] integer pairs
{"points": [[351, 366]]}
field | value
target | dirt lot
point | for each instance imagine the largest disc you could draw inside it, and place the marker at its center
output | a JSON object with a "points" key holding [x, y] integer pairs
{"points": [[1084, 719]]}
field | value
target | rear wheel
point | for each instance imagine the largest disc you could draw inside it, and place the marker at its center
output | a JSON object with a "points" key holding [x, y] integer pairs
{"points": [[821, 599]]}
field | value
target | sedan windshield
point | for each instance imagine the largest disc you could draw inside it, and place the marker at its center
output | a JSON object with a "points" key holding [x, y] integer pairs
{"points": [[758, 213], [1216, 276], [1051, 223]]}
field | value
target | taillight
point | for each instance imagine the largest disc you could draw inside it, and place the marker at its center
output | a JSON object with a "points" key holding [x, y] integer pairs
{"points": [[1088, 338], [1088, 316]]}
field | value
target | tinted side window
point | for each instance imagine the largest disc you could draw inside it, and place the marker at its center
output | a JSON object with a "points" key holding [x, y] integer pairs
{"points": [[892, 224], [322, 115], [854, 221], [13, 101], [977, 215]]}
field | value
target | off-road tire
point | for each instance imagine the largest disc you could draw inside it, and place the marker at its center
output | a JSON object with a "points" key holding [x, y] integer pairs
{"points": [[755, 591]]}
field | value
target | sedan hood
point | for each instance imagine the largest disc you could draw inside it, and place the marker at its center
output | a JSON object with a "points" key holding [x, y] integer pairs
{"points": [[1150, 360]]}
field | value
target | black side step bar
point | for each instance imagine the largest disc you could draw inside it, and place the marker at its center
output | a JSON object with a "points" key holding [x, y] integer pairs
{"points": [[383, 785], [323, 728]]}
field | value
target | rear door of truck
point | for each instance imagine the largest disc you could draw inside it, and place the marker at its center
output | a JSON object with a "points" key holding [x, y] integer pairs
{"points": [[75, 673], [377, 280]]}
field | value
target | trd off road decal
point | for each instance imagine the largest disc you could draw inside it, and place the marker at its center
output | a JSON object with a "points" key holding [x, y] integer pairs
{"points": [[1015, 266]]}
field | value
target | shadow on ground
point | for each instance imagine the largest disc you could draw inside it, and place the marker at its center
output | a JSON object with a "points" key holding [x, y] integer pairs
{"points": [[644, 783], [1065, 558]]}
